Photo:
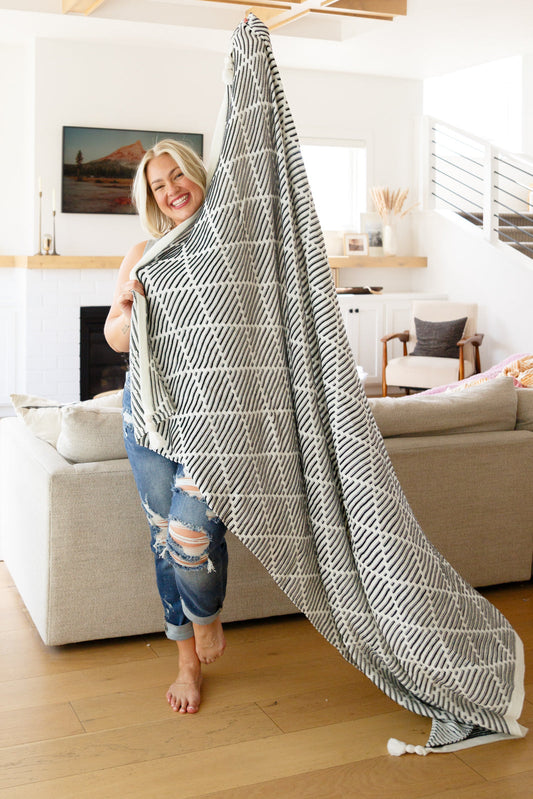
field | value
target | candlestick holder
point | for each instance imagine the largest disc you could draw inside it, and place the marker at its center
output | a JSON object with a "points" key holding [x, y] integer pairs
{"points": [[54, 252], [40, 221], [47, 243]]}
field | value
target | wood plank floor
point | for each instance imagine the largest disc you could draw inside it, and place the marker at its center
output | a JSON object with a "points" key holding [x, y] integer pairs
{"points": [[283, 717]]}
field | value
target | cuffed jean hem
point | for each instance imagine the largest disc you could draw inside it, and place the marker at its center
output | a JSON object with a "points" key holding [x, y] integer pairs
{"points": [[199, 619], [181, 632]]}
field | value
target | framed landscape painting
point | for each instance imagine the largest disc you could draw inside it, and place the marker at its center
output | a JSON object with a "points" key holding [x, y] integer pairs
{"points": [[99, 165]]}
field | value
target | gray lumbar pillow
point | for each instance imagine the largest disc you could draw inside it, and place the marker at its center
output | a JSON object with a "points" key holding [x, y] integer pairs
{"points": [[438, 339]]}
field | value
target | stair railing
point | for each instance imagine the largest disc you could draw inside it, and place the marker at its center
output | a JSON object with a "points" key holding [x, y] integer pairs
{"points": [[485, 186]]}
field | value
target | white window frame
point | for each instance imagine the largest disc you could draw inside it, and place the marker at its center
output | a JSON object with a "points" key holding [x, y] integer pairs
{"points": [[354, 144]]}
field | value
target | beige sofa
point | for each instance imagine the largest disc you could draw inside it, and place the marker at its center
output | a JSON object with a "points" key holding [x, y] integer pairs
{"points": [[75, 539]]}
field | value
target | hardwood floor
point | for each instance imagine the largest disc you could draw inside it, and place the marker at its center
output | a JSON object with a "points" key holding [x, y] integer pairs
{"points": [[283, 717]]}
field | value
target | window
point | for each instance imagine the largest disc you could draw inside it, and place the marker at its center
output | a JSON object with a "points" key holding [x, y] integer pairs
{"points": [[337, 175]]}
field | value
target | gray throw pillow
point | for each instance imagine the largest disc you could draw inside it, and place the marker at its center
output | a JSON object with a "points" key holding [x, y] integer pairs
{"points": [[438, 339]]}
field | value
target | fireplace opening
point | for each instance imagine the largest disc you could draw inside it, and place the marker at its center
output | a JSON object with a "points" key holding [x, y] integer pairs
{"points": [[101, 368]]}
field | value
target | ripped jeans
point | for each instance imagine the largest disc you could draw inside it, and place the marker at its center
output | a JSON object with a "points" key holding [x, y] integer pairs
{"points": [[191, 569]]}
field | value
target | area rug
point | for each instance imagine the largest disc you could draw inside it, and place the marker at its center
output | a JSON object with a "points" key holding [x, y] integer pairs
{"points": [[262, 404]]}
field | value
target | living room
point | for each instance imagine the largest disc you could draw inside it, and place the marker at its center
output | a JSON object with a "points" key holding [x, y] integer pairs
{"points": [[105, 70]]}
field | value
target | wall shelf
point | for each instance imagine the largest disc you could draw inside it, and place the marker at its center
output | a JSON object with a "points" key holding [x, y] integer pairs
{"points": [[402, 261], [61, 261], [337, 262], [114, 261]]}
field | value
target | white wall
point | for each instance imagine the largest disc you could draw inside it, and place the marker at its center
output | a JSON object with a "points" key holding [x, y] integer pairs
{"points": [[81, 84], [485, 100], [467, 268], [18, 198], [121, 87], [384, 112], [151, 88], [527, 93], [493, 101]]}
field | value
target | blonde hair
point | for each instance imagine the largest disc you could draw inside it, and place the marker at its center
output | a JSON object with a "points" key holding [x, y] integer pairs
{"points": [[152, 219]]}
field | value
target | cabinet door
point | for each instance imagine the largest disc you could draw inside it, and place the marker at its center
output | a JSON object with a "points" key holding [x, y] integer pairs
{"points": [[397, 318], [364, 323]]}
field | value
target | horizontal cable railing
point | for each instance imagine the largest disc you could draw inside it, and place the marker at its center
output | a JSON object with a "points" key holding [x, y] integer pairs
{"points": [[489, 188], [512, 198]]}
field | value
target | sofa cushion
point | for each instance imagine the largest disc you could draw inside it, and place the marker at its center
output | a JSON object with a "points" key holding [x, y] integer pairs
{"points": [[438, 339], [524, 412], [89, 435], [52, 421], [484, 408]]}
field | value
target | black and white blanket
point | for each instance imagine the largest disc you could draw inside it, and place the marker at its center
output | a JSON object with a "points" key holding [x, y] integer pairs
{"points": [[241, 370]]}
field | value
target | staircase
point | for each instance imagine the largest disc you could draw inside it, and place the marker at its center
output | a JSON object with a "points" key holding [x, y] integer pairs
{"points": [[487, 187], [516, 230]]}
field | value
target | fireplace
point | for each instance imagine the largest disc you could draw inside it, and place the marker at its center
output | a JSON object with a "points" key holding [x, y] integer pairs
{"points": [[101, 368]]}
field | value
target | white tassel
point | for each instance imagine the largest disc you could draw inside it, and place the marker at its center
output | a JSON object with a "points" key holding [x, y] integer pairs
{"points": [[228, 71], [210, 566], [398, 748], [155, 440]]}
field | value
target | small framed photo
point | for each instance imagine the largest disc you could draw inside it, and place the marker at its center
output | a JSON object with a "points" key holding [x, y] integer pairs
{"points": [[355, 244], [372, 225]]}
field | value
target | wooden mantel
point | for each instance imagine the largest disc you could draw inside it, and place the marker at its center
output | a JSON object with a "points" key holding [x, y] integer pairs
{"points": [[61, 261]]}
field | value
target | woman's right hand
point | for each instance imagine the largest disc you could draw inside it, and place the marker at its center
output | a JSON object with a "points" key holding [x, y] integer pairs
{"points": [[118, 322], [124, 297]]}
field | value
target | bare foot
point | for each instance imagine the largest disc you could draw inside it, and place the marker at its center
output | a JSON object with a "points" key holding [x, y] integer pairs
{"points": [[183, 696], [210, 641]]}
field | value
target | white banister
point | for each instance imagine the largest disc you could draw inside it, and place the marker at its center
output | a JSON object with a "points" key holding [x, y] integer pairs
{"points": [[480, 183]]}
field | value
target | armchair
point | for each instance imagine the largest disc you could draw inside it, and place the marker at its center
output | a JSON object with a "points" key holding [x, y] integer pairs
{"points": [[422, 371]]}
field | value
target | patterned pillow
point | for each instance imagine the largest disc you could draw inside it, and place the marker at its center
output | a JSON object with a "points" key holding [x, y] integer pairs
{"points": [[438, 339]]}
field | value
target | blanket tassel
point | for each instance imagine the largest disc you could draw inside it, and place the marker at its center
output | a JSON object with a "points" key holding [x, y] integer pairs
{"points": [[398, 748], [155, 440]]}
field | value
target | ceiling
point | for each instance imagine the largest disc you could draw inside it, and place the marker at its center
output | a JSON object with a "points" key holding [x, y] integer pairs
{"points": [[434, 38]]}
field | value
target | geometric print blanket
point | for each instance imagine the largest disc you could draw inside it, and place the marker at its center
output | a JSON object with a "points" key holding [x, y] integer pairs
{"points": [[241, 370]]}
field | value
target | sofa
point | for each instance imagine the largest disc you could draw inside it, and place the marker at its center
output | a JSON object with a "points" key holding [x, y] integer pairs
{"points": [[75, 540]]}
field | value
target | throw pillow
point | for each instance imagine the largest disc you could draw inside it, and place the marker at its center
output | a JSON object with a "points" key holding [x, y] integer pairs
{"points": [[438, 339], [43, 416], [90, 434]]}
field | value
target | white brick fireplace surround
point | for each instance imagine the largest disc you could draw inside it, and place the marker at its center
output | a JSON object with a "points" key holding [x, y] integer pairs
{"points": [[40, 326]]}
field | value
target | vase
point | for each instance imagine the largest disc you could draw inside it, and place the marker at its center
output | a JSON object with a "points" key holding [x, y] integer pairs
{"points": [[390, 243]]}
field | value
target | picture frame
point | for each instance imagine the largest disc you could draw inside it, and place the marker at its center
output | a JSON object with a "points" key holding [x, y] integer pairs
{"points": [[372, 225], [355, 244], [99, 164]]}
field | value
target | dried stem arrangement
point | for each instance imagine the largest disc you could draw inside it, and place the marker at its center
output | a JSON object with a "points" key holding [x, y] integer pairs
{"points": [[390, 202]]}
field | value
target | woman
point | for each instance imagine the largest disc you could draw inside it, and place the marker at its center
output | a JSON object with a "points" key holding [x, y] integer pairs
{"points": [[187, 538]]}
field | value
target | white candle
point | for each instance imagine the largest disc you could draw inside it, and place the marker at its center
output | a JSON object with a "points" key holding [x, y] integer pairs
{"points": [[53, 200], [40, 185]]}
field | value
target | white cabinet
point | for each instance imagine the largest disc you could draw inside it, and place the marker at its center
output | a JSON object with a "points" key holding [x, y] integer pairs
{"points": [[364, 323], [368, 317]]}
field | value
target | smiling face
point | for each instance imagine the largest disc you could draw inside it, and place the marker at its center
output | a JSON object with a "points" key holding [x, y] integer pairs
{"points": [[177, 197]]}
